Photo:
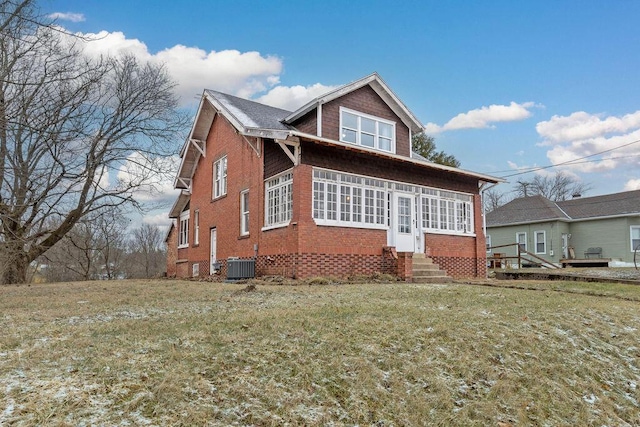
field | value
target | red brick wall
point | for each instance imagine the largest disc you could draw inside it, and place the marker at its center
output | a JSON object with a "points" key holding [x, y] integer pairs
{"points": [[244, 171]]}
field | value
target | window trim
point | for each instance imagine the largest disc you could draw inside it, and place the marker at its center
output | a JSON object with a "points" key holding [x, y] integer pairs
{"points": [[631, 239], [359, 131], [183, 234], [487, 243], [522, 233], [196, 227], [220, 177], [544, 241], [288, 213], [244, 213]]}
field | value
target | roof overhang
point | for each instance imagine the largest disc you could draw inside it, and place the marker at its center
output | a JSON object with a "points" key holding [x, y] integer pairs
{"points": [[195, 145], [395, 157], [379, 86], [180, 203]]}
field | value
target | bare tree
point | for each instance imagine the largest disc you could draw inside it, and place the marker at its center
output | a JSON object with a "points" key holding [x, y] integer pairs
{"points": [[92, 249], [67, 122], [558, 187], [493, 199], [147, 251]]}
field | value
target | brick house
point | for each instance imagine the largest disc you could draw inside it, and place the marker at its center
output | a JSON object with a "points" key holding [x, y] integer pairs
{"points": [[332, 189]]}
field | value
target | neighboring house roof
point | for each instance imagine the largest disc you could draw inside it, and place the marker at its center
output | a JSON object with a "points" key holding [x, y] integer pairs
{"points": [[540, 209], [378, 85], [618, 204], [524, 210]]}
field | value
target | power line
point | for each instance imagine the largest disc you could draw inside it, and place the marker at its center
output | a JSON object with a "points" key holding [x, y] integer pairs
{"points": [[570, 162]]}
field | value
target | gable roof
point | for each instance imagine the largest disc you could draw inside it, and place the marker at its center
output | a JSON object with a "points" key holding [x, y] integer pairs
{"points": [[540, 209], [246, 114], [379, 86], [251, 118]]}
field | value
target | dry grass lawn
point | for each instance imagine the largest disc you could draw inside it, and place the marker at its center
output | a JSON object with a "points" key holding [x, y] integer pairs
{"points": [[186, 353]]}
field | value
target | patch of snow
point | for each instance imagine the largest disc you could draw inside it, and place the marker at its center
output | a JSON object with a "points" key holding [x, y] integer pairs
{"points": [[591, 399]]}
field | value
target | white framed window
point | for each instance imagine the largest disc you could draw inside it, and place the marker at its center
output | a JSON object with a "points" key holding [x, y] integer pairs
{"points": [[446, 211], [521, 240], [196, 227], [220, 177], [244, 213], [183, 230], [279, 200], [635, 237], [487, 241], [541, 242], [348, 200], [367, 131]]}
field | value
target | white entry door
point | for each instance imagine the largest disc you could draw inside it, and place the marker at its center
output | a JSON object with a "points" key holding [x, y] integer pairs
{"points": [[404, 222], [214, 243]]}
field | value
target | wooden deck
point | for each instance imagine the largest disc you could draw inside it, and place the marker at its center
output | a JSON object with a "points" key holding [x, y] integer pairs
{"points": [[585, 262]]}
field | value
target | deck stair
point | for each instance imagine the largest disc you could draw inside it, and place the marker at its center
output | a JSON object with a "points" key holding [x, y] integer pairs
{"points": [[425, 271]]}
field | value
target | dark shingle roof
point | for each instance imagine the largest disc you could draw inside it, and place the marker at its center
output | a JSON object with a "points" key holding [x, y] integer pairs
{"points": [[607, 205], [252, 114], [539, 208], [525, 209]]}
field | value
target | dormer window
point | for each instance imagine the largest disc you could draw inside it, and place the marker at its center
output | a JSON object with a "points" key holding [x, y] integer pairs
{"points": [[367, 131]]}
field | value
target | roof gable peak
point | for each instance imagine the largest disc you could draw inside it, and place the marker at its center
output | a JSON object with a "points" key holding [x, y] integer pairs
{"points": [[378, 85]]}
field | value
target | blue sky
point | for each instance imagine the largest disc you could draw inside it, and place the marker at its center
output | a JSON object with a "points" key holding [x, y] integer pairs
{"points": [[501, 85]]}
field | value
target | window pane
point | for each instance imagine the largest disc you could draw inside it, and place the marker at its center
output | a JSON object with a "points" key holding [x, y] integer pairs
{"points": [[349, 120], [404, 215], [345, 203], [385, 130], [348, 135], [367, 125], [367, 140], [385, 144]]}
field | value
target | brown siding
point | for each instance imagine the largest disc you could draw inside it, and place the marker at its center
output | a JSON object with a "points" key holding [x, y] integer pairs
{"points": [[275, 160], [308, 123], [364, 100], [369, 165]]}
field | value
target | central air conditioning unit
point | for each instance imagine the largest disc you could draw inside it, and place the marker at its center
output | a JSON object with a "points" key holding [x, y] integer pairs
{"points": [[238, 269], [195, 270]]}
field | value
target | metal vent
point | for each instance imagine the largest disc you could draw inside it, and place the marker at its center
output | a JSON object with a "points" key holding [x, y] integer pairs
{"points": [[195, 270], [241, 268]]}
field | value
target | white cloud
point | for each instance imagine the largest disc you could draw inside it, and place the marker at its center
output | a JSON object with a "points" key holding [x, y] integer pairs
{"points": [[160, 219], [484, 117], [596, 143], [244, 74], [67, 16], [632, 184], [293, 97], [581, 125], [151, 187]]}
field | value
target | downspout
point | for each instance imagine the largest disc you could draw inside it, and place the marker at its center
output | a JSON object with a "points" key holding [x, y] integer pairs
{"points": [[484, 216]]}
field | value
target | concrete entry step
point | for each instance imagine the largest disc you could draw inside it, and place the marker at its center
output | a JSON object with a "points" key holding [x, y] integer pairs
{"points": [[426, 271]]}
